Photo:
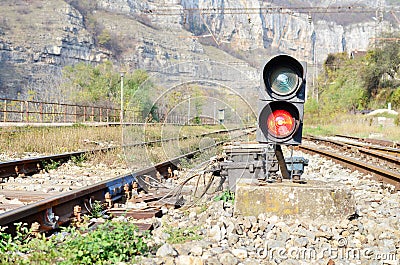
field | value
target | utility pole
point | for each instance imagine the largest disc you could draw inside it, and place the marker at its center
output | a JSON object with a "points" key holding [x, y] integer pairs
{"points": [[188, 117], [122, 99], [215, 103], [122, 109]]}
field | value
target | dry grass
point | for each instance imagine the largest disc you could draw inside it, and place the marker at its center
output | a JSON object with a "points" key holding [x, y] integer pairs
{"points": [[355, 125], [55, 140]]}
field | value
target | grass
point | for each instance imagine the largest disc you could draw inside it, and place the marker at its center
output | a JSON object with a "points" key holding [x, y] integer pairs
{"points": [[354, 125], [19, 141], [55, 140], [180, 235]]}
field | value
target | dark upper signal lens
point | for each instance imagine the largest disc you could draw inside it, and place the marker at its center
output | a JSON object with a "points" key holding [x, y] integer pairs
{"points": [[283, 80]]}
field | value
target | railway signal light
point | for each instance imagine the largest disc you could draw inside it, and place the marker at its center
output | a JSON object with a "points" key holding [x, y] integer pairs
{"points": [[281, 101]]}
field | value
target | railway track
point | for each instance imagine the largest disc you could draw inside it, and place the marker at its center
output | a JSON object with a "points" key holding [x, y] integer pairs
{"points": [[52, 212], [381, 162], [370, 140], [388, 156], [34, 165]]}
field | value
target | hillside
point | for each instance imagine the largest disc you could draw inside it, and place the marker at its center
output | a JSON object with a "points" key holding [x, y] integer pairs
{"points": [[38, 38]]}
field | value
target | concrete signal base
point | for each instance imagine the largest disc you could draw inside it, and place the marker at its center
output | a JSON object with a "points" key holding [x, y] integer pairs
{"points": [[314, 199]]}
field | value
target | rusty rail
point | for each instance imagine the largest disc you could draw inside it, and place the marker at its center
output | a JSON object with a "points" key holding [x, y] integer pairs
{"points": [[381, 174], [371, 140], [382, 152]]}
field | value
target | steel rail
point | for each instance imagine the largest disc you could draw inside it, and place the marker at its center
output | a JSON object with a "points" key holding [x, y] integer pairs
{"points": [[34, 165], [55, 211], [381, 174], [382, 151], [371, 141]]}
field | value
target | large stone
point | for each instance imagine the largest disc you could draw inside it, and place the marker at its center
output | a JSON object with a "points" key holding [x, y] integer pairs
{"points": [[166, 250], [240, 253], [188, 260], [314, 199], [215, 233], [228, 259]]}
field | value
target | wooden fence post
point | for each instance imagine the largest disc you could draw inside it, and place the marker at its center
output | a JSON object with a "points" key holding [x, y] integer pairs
{"points": [[41, 111], [92, 116], [75, 113], [5, 111], [21, 114], [53, 115], [27, 110], [65, 113]]}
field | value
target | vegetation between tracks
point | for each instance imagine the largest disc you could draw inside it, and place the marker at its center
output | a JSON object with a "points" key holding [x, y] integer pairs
{"points": [[178, 235], [110, 243]]}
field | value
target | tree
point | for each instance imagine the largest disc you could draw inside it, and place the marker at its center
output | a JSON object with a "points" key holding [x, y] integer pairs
{"points": [[381, 69], [341, 88], [100, 85], [91, 84]]}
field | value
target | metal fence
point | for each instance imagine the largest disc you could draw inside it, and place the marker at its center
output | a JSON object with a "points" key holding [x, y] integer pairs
{"points": [[15, 110], [29, 111]]}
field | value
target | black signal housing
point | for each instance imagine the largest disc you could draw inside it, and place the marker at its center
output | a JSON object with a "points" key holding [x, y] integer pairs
{"points": [[281, 101]]}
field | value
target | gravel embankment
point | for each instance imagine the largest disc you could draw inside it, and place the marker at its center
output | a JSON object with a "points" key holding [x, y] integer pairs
{"points": [[371, 238]]}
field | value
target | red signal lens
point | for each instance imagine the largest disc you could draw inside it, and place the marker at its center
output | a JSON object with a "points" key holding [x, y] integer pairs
{"points": [[281, 123]]}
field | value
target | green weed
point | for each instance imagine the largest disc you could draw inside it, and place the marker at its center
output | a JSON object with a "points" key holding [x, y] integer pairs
{"points": [[180, 235], [226, 196], [78, 160], [51, 165], [97, 209]]}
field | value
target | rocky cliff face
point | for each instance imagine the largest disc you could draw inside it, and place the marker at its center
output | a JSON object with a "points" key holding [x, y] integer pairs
{"points": [[38, 38]]}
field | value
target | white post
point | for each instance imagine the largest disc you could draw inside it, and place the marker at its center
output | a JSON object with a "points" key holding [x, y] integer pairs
{"points": [[188, 119], [122, 99], [215, 121]]}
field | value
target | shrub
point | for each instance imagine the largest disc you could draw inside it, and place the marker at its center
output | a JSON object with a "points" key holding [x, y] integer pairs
{"points": [[110, 243]]}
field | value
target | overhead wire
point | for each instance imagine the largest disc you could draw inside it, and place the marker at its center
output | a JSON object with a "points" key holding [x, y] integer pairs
{"points": [[268, 9]]}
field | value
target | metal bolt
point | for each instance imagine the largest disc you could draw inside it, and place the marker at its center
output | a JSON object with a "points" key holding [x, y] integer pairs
{"points": [[127, 192], [158, 176], [108, 199], [35, 229], [77, 211]]}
